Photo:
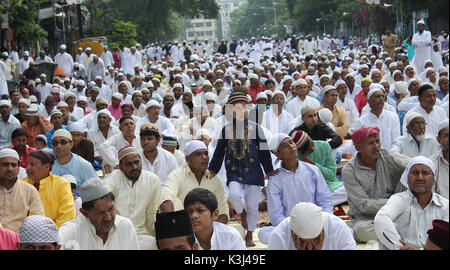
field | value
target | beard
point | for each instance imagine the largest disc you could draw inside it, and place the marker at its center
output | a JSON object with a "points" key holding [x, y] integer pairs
{"points": [[134, 175], [420, 137]]}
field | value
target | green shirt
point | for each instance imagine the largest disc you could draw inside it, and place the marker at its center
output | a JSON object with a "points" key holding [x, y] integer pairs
{"points": [[324, 159]]}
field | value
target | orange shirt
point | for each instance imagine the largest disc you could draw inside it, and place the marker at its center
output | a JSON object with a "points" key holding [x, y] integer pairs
{"points": [[35, 130]]}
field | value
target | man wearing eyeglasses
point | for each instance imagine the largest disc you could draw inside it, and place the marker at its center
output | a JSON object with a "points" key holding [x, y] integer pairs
{"points": [[67, 162], [416, 142]]}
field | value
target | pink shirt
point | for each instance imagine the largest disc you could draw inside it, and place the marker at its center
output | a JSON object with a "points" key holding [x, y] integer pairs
{"points": [[8, 239], [115, 112]]}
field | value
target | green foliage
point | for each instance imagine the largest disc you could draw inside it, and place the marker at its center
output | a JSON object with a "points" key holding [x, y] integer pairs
{"points": [[124, 34], [22, 17]]}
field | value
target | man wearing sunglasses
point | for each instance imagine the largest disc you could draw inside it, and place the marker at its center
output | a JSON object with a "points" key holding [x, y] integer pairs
{"points": [[67, 162]]}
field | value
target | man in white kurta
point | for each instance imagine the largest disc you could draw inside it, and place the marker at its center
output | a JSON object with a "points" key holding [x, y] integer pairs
{"points": [[254, 52], [440, 159], [96, 68], [433, 114], [87, 231], [64, 61], [415, 142], [295, 105], [306, 224], [107, 58], [136, 194], [276, 119], [4, 72], [422, 47], [407, 216], [153, 109], [388, 122]]}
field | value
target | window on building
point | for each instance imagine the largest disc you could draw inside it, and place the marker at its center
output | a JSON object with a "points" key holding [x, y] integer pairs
{"points": [[236, 4], [199, 25], [201, 34], [208, 24], [191, 34]]}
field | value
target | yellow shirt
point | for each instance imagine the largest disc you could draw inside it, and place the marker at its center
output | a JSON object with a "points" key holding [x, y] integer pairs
{"points": [[57, 198], [339, 115], [181, 181]]}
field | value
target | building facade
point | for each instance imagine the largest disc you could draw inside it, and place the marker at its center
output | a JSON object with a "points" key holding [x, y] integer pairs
{"points": [[226, 8], [200, 30]]}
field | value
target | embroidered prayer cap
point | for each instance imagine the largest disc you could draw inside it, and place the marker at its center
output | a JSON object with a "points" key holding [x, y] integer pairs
{"points": [[306, 220], [44, 156], [299, 82], [62, 104], [278, 92], [68, 95], [411, 116], [152, 103], [373, 91], [127, 150], [84, 98], [152, 127], [276, 140], [238, 97], [261, 95], [169, 140], [33, 110], [9, 153], [54, 112], [99, 101], [25, 101], [136, 92], [4, 102], [118, 96], [38, 229], [210, 96], [193, 146], [363, 132], [443, 125], [76, 127], [417, 160], [328, 88], [70, 178], [93, 189], [439, 233], [62, 133], [339, 82], [306, 109], [325, 115], [299, 137], [421, 22], [173, 224], [43, 137]]}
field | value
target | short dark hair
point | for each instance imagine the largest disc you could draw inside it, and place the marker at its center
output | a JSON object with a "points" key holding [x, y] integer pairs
{"points": [[73, 185], [190, 239], [149, 133], [203, 196], [89, 205], [269, 81], [19, 132], [424, 88], [123, 118], [40, 139]]}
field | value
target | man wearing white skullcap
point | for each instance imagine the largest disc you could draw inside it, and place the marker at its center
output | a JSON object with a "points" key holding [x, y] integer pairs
{"points": [[8, 123], [153, 109], [407, 216], [98, 220], [64, 61], [309, 228], [339, 118], [194, 174], [276, 119], [67, 162], [132, 185], [422, 47], [38, 233], [297, 181], [416, 142], [387, 121], [23, 199], [302, 89], [441, 159]]}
